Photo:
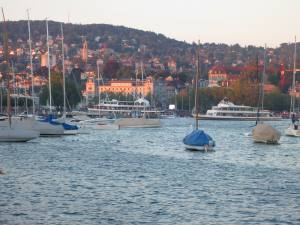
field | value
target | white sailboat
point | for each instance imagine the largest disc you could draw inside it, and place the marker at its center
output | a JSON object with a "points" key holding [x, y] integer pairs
{"points": [[142, 122], [262, 132], [16, 129], [69, 129], [47, 127], [293, 129], [101, 123]]}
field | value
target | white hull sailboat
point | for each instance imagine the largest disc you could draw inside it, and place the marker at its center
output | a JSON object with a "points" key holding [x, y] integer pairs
{"points": [[137, 123], [47, 129], [69, 129], [293, 129], [18, 131], [11, 134], [12, 130]]}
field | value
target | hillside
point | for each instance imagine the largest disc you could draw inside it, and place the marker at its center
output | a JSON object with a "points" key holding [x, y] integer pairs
{"points": [[128, 41]]}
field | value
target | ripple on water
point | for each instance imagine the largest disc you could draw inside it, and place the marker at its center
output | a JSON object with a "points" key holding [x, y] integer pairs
{"points": [[138, 176]]}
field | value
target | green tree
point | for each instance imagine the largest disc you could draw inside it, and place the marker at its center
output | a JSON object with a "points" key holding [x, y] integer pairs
{"points": [[73, 95], [277, 101]]}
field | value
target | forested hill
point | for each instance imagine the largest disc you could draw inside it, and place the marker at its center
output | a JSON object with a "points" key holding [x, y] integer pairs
{"points": [[112, 36], [129, 41]]}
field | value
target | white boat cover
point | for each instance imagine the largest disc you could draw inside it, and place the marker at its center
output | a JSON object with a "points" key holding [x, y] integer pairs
{"points": [[137, 122], [265, 133]]}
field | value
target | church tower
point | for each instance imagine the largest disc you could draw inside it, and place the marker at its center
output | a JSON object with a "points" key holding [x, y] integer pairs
{"points": [[84, 52]]}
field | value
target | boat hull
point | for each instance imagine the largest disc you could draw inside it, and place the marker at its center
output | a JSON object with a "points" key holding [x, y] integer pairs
{"points": [[137, 123], [11, 134], [48, 129], [231, 118], [106, 127], [290, 131], [205, 148], [71, 132]]}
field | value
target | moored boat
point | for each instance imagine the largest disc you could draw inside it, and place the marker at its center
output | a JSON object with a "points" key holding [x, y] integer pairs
{"points": [[227, 110], [198, 140], [293, 129], [264, 133], [12, 129], [137, 123], [17, 130]]}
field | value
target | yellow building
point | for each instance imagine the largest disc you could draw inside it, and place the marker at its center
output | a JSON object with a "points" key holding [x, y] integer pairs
{"points": [[129, 87], [90, 87]]}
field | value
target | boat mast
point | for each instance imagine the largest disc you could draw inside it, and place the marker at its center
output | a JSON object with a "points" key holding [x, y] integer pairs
{"points": [[294, 77], [259, 91], [63, 68], [48, 64], [99, 94], [143, 91], [14, 87], [196, 85], [263, 79], [142, 71], [6, 70], [31, 64]]}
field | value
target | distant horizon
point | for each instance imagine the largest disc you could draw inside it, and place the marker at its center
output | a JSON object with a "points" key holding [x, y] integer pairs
{"points": [[228, 22]]}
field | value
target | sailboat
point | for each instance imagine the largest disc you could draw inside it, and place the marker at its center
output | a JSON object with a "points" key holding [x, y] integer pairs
{"points": [[293, 129], [198, 140], [139, 122], [69, 129], [101, 123], [13, 129], [262, 132], [47, 126]]}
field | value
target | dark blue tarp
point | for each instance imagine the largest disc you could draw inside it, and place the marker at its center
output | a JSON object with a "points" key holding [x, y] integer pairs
{"points": [[198, 138], [69, 126], [50, 119]]}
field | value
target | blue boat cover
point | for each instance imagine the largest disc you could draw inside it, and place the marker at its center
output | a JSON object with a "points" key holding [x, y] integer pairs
{"points": [[50, 119], [69, 126], [198, 138]]}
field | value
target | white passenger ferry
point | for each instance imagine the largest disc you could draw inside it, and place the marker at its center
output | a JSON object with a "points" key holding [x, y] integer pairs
{"points": [[126, 108], [226, 110]]}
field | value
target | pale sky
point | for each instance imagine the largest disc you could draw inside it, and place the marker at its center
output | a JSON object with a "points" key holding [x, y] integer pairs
{"points": [[247, 22]]}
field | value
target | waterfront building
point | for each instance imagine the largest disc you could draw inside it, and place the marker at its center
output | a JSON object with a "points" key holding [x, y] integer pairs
{"points": [[132, 87], [90, 89], [221, 76]]}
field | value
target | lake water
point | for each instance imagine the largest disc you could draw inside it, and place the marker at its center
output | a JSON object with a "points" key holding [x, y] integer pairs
{"points": [[144, 176]]}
